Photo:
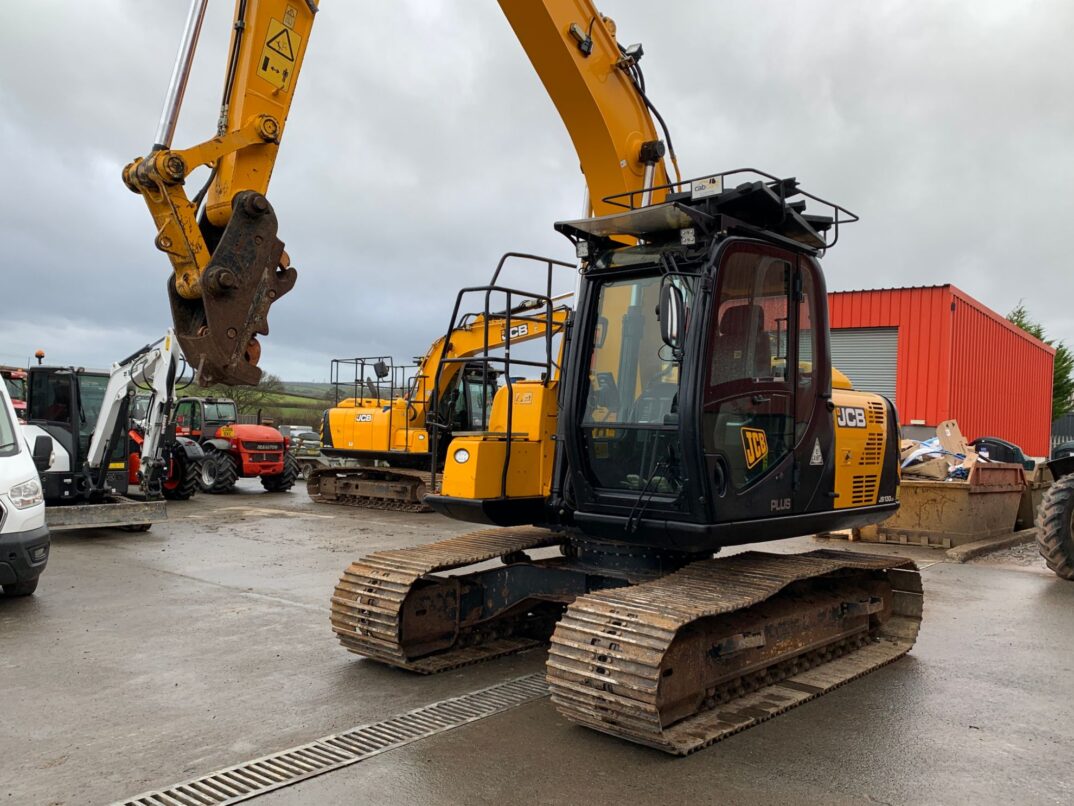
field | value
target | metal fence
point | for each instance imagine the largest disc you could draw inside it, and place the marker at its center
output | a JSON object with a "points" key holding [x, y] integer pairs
{"points": [[1063, 430]]}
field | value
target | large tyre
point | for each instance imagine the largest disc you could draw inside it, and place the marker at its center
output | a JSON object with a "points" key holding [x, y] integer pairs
{"points": [[186, 481], [1055, 527], [284, 481], [21, 588], [219, 471]]}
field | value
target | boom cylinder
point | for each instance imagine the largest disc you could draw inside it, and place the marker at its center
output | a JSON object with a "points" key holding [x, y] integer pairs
{"points": [[173, 101]]}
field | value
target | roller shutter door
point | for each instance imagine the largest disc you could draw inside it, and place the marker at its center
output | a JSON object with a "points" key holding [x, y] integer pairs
{"points": [[868, 356]]}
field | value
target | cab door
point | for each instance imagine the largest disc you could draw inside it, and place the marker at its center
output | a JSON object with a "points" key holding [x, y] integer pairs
{"points": [[748, 383], [188, 419]]}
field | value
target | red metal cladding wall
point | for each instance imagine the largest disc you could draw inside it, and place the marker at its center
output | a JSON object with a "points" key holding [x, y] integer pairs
{"points": [[923, 318], [959, 360], [1001, 379]]}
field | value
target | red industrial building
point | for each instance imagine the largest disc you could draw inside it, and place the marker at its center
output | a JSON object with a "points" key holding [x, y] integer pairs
{"points": [[942, 355]]}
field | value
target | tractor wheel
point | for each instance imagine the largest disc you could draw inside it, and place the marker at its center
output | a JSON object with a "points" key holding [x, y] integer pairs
{"points": [[218, 472], [284, 481], [1055, 527], [185, 481], [21, 588]]}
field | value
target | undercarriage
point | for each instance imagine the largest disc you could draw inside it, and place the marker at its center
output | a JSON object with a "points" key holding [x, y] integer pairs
{"points": [[661, 648], [371, 487]]}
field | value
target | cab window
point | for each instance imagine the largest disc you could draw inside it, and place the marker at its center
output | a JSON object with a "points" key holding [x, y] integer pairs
{"points": [[806, 396], [630, 413], [50, 397], [182, 415], [748, 404]]}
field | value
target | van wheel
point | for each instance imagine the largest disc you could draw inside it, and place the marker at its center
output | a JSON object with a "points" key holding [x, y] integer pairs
{"points": [[21, 588]]}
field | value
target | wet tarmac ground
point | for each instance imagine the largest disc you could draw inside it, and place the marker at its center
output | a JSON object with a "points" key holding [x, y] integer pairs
{"points": [[148, 659]]}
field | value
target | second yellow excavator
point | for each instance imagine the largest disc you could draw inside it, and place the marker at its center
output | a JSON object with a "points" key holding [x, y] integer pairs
{"points": [[386, 445]]}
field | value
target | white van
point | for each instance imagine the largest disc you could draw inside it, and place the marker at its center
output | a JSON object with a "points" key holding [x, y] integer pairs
{"points": [[24, 537]]}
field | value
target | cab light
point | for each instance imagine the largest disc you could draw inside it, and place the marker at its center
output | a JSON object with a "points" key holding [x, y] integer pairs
{"points": [[25, 495], [461, 456]]}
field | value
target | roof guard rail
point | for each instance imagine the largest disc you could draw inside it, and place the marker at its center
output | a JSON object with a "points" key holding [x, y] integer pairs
{"points": [[707, 185]]}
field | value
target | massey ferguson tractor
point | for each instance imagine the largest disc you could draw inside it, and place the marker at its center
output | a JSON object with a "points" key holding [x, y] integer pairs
{"points": [[234, 450]]}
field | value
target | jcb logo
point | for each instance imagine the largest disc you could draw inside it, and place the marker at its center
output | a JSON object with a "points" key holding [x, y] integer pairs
{"points": [[755, 446], [850, 418], [518, 331], [364, 418]]}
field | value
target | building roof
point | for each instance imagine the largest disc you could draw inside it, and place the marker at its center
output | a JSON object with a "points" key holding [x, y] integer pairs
{"points": [[958, 293]]}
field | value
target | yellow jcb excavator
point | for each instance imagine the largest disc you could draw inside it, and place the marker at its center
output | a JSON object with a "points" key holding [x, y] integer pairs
{"points": [[394, 444], [695, 410]]}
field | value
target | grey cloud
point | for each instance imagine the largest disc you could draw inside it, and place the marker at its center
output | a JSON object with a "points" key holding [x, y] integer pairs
{"points": [[421, 145]]}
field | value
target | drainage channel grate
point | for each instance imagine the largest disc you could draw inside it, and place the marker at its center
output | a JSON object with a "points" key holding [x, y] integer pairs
{"points": [[245, 781]]}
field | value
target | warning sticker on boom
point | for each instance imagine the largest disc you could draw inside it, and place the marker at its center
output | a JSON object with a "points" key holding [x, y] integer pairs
{"points": [[277, 62]]}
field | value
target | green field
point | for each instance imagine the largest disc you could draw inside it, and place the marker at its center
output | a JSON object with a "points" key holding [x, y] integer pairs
{"points": [[307, 389]]}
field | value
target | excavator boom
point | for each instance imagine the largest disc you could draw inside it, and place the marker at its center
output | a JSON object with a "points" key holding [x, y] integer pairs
{"points": [[229, 265], [598, 90]]}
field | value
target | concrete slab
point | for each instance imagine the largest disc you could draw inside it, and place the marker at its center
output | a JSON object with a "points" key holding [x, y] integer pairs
{"points": [[978, 713], [978, 548], [149, 658]]}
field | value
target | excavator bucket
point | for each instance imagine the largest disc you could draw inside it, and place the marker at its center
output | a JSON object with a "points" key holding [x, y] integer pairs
{"points": [[249, 271]]}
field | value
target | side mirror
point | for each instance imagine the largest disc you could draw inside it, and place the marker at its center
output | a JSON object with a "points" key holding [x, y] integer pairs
{"points": [[42, 453], [672, 314], [381, 369]]}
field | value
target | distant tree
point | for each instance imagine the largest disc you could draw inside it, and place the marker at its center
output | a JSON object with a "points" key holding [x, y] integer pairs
{"points": [[1063, 378], [251, 398]]}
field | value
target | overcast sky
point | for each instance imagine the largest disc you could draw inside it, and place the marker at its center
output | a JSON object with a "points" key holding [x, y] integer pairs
{"points": [[421, 145]]}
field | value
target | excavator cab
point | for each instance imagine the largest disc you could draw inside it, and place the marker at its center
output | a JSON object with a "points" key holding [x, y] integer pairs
{"points": [[697, 409], [467, 404], [64, 403]]}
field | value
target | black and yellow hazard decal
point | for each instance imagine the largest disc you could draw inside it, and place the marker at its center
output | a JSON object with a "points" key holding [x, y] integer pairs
{"points": [[277, 62], [755, 446]]}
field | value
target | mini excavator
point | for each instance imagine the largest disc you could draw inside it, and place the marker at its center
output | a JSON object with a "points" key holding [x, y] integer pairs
{"points": [[695, 409]]}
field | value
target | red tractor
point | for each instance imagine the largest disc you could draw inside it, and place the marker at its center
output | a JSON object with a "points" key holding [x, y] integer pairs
{"points": [[233, 450]]}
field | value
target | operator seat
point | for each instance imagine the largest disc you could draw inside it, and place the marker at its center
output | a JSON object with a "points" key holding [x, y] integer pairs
{"points": [[742, 349]]}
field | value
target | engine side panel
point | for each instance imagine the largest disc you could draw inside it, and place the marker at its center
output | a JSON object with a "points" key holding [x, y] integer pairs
{"points": [[862, 449]]}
